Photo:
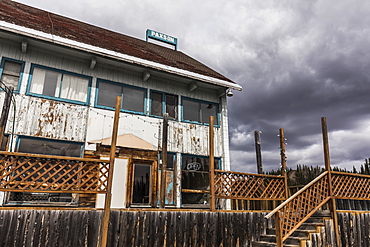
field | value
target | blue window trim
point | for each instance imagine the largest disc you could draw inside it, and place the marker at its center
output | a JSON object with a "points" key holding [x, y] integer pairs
{"points": [[19, 137], [16, 90], [200, 101], [89, 78], [122, 85], [163, 104]]}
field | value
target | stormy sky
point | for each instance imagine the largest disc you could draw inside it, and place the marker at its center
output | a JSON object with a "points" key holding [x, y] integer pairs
{"points": [[297, 61]]}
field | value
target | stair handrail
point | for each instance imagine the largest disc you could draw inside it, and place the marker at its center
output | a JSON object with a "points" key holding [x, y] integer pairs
{"points": [[295, 195]]}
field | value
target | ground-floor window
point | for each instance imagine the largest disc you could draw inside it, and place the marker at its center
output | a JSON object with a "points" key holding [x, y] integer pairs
{"points": [[141, 183], [45, 147], [195, 179]]}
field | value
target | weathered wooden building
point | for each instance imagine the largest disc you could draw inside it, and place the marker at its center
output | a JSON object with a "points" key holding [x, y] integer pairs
{"points": [[66, 75]]}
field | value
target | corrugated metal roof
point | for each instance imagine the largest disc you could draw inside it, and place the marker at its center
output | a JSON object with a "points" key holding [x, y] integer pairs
{"points": [[49, 23]]}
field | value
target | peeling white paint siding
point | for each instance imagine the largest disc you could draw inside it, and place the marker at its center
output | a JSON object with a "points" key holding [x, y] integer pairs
{"points": [[192, 139], [49, 119], [224, 141]]}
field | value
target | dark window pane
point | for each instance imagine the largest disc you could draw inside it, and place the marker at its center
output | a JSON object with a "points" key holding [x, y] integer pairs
{"points": [[133, 99], [171, 106], [156, 107], [49, 147], [207, 111], [108, 93], [195, 180], [141, 188], [191, 163], [195, 198], [191, 110], [11, 73], [170, 160], [50, 83]]}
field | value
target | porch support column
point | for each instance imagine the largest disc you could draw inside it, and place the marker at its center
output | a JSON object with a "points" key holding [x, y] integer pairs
{"points": [[332, 201], [108, 197]]}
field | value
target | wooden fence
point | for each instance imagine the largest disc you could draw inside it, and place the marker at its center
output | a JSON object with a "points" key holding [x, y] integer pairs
{"points": [[21, 172], [130, 228]]}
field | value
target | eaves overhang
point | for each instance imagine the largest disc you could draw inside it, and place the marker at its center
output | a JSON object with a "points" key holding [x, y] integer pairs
{"points": [[28, 32]]}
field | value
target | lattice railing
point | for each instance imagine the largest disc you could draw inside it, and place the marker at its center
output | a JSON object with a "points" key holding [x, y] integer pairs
{"points": [[350, 186], [236, 185], [40, 173], [294, 211]]}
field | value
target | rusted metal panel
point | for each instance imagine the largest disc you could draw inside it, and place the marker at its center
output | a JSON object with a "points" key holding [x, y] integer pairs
{"points": [[192, 139], [47, 118]]}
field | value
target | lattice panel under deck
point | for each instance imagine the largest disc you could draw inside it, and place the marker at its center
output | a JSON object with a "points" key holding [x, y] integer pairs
{"points": [[351, 186], [19, 173], [248, 186], [302, 205]]}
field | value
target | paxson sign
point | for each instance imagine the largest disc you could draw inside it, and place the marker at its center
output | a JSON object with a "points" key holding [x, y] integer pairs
{"points": [[161, 37]]}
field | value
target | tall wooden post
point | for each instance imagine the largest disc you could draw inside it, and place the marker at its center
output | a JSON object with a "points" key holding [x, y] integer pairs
{"points": [[108, 197], [257, 142], [332, 202], [212, 164], [279, 232], [5, 112], [283, 162], [164, 161]]}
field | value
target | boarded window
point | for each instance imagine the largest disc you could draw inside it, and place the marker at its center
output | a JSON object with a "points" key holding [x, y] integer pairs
{"points": [[199, 111], [58, 84], [133, 98], [164, 103], [11, 72]]}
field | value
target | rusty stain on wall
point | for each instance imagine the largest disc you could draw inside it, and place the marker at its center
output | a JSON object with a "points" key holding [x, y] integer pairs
{"points": [[48, 119]]}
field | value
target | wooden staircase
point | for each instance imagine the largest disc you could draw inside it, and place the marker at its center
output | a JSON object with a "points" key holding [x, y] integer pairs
{"points": [[300, 236]]}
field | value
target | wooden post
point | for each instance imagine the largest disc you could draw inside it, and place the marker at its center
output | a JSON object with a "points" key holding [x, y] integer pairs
{"points": [[332, 201], [283, 162], [212, 199], [164, 161], [279, 237], [257, 142], [5, 112], [108, 197]]}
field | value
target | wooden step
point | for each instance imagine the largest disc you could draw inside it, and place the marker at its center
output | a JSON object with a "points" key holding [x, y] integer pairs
{"points": [[268, 244]]}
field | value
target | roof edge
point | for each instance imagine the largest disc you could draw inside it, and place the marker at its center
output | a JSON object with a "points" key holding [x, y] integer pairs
{"points": [[116, 55]]}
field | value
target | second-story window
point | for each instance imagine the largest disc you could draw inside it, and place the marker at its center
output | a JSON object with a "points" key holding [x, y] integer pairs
{"points": [[199, 111], [163, 103], [11, 72], [59, 84], [133, 98]]}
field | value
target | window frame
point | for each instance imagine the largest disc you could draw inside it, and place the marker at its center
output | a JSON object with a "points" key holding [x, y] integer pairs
{"points": [[63, 72], [19, 137], [164, 104], [2, 64], [201, 122], [218, 165], [123, 85]]}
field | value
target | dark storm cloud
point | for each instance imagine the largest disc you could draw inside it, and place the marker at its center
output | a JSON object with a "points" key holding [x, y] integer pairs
{"points": [[296, 60], [326, 74]]}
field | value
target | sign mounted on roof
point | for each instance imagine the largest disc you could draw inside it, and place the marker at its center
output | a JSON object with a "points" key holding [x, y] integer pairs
{"points": [[161, 37]]}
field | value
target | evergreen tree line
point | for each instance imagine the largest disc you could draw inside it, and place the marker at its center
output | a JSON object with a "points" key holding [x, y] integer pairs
{"points": [[304, 174]]}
